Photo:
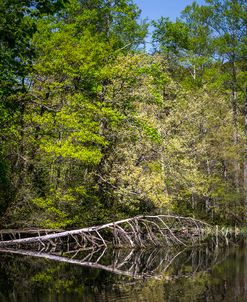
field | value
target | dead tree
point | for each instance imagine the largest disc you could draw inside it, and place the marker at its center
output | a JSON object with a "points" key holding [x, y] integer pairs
{"points": [[139, 231]]}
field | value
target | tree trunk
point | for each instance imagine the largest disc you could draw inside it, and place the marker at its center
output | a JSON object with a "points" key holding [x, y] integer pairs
{"points": [[235, 122], [245, 156], [138, 231]]}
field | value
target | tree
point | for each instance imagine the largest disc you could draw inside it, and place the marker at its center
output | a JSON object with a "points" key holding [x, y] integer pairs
{"points": [[187, 42], [227, 21], [211, 39], [17, 26], [69, 119]]}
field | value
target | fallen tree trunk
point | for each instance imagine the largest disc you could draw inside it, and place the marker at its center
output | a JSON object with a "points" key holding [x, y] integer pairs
{"points": [[139, 231], [13, 234]]}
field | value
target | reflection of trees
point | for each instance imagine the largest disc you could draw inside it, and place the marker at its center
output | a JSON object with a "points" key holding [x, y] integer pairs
{"points": [[137, 263], [148, 275], [223, 283]]}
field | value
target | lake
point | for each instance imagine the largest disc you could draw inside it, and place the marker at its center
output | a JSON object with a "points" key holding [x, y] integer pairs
{"points": [[204, 273]]}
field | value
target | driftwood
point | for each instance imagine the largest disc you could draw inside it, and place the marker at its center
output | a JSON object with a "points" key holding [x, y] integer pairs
{"points": [[140, 231]]}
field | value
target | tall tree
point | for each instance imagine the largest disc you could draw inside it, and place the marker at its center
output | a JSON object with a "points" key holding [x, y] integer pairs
{"points": [[212, 38], [227, 21], [187, 42], [17, 26], [69, 118]]}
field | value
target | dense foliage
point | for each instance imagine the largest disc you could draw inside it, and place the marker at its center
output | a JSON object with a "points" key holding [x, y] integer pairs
{"points": [[94, 128]]}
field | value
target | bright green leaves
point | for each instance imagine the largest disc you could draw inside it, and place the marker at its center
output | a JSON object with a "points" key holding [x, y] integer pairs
{"points": [[77, 109], [71, 132], [116, 21], [55, 208], [109, 130], [151, 132], [74, 63], [67, 149]]}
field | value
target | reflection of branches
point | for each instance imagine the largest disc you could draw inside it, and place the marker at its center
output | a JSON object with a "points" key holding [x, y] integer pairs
{"points": [[137, 264], [74, 261], [140, 231]]}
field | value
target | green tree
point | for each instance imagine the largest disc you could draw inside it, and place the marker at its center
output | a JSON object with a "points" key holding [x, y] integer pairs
{"points": [[17, 26], [227, 21], [209, 41], [69, 119], [187, 42]]}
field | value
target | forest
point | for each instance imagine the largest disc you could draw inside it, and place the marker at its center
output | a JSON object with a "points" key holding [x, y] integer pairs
{"points": [[98, 125]]}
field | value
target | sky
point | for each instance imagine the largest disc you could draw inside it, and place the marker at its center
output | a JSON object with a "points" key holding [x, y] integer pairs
{"points": [[154, 9]]}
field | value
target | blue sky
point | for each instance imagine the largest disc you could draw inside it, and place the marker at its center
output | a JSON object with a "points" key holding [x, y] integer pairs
{"points": [[154, 9]]}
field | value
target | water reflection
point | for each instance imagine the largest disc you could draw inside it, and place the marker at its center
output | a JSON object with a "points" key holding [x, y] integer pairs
{"points": [[137, 263], [201, 274]]}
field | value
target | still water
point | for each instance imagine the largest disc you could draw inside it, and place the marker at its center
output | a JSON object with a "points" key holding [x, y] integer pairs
{"points": [[200, 274]]}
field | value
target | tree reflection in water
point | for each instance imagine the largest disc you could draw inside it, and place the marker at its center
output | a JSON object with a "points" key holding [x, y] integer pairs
{"points": [[201, 274]]}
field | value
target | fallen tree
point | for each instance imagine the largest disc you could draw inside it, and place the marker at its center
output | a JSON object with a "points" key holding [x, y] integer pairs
{"points": [[13, 234], [139, 231]]}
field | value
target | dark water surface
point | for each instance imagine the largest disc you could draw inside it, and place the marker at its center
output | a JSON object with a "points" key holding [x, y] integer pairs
{"points": [[202, 274]]}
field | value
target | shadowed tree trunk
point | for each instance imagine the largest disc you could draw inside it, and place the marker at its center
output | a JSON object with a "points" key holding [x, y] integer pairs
{"points": [[245, 156], [234, 100]]}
